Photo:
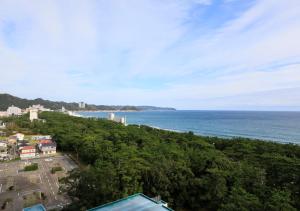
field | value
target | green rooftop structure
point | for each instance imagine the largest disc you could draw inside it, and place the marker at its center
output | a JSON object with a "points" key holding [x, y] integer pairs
{"points": [[134, 202]]}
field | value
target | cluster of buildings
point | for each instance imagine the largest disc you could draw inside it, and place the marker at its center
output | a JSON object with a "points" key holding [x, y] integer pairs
{"points": [[16, 111], [26, 148], [11, 111], [113, 117], [34, 111], [42, 145]]}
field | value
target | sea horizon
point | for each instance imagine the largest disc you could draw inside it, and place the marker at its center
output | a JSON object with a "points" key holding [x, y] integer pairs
{"points": [[278, 126]]}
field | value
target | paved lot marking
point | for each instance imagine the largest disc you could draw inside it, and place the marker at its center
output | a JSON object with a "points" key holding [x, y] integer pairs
{"points": [[47, 183]]}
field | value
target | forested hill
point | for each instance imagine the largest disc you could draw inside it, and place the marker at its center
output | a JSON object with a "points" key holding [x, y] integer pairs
{"points": [[7, 100], [188, 171]]}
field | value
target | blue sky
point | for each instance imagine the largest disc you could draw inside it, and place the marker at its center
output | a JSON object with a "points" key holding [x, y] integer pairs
{"points": [[188, 54]]}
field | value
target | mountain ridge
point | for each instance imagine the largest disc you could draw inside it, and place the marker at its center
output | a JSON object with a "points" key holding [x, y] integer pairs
{"points": [[7, 100]]}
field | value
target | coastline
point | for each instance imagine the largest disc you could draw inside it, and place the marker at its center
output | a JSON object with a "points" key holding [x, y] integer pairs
{"points": [[105, 111], [265, 126], [225, 137], [211, 136]]}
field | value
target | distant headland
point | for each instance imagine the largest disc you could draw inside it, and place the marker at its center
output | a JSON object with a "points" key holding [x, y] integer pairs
{"points": [[7, 100]]}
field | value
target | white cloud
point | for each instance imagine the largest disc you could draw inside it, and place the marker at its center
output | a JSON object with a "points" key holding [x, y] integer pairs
{"points": [[99, 50]]}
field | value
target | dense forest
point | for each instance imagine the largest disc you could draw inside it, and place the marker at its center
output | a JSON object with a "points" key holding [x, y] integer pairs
{"points": [[8, 100], [189, 172]]}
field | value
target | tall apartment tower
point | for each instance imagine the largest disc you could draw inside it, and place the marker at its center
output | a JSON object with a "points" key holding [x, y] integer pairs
{"points": [[111, 116], [33, 114], [81, 105]]}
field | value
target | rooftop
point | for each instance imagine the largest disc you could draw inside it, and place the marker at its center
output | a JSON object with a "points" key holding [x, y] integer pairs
{"points": [[131, 203], [47, 144], [45, 141], [38, 207], [28, 147]]}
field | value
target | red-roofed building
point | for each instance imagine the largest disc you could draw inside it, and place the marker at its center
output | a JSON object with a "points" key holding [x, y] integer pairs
{"points": [[45, 141], [27, 152]]}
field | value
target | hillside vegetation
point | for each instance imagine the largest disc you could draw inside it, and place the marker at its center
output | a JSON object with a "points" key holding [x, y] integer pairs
{"points": [[189, 172], [7, 100]]}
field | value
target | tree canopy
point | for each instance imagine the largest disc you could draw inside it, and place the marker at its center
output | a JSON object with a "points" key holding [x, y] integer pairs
{"points": [[189, 172]]}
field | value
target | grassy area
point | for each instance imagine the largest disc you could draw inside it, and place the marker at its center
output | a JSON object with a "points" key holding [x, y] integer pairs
{"points": [[32, 199], [55, 169], [31, 167]]}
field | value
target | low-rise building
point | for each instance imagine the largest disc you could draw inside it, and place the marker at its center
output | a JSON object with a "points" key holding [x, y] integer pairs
{"points": [[47, 147], [41, 137], [27, 152], [38, 107], [14, 111], [20, 136], [3, 144], [22, 144], [12, 140], [134, 202], [3, 149]]}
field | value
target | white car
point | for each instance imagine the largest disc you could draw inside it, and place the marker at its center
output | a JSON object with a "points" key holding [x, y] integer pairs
{"points": [[48, 159]]}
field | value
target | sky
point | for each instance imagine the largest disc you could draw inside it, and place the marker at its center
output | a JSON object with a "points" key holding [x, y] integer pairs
{"points": [[187, 54]]}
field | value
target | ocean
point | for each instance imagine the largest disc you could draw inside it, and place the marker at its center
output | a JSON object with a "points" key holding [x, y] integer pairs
{"points": [[276, 126]]}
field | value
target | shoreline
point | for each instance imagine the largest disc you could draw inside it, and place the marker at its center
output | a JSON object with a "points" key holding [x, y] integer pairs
{"points": [[104, 111], [211, 135], [269, 138]]}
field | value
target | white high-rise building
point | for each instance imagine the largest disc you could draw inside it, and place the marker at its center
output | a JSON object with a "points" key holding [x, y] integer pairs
{"points": [[33, 114], [123, 120], [14, 111], [81, 105], [111, 116]]}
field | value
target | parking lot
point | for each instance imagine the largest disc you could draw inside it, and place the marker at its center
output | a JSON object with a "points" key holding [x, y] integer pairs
{"points": [[24, 188]]}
